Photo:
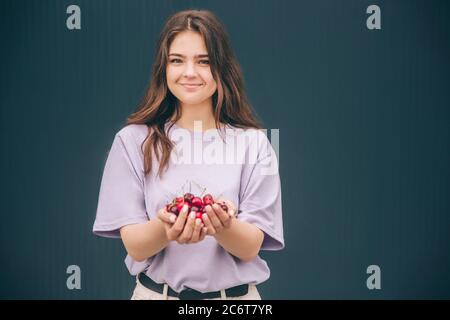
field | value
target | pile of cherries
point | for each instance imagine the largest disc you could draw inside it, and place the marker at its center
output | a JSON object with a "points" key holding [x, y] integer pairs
{"points": [[194, 203]]}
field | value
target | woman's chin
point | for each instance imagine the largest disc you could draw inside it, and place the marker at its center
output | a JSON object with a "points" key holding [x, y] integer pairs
{"points": [[187, 101]]}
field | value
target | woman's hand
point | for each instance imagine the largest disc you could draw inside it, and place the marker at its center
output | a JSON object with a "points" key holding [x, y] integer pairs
{"points": [[184, 229], [216, 219]]}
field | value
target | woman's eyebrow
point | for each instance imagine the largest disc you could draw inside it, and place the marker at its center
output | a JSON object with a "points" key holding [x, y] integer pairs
{"points": [[196, 56]]}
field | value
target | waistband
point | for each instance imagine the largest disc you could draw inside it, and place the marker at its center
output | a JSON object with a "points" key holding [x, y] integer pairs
{"points": [[191, 294]]}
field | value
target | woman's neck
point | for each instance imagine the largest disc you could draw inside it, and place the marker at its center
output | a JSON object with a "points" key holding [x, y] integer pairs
{"points": [[200, 112]]}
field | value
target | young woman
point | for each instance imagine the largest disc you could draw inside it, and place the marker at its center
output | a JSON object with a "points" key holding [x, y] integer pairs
{"points": [[194, 134]]}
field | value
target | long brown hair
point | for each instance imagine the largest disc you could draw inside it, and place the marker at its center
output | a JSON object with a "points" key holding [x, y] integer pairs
{"points": [[159, 105]]}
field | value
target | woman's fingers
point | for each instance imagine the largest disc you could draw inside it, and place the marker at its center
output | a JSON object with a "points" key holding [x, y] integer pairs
{"points": [[197, 230], [186, 235], [213, 218], [231, 208], [203, 233], [230, 205], [223, 216], [166, 216], [178, 226], [208, 225], [186, 228]]}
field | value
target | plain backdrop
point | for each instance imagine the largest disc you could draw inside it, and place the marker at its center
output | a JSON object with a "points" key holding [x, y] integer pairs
{"points": [[364, 139]]}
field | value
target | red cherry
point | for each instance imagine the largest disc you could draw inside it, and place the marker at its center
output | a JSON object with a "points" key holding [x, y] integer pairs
{"points": [[225, 207], [188, 197], [172, 208], [208, 200], [180, 206], [198, 215], [195, 204], [207, 196], [179, 199], [196, 201]]}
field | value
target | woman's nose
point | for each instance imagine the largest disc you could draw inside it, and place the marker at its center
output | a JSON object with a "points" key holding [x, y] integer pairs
{"points": [[189, 69]]}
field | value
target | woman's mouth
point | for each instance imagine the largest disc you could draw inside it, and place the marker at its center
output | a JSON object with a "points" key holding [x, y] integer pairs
{"points": [[191, 86]]}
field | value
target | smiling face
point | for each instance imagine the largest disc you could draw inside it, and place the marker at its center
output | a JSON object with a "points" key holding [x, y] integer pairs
{"points": [[188, 72]]}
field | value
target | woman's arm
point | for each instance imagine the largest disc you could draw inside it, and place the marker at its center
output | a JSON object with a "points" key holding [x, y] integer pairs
{"points": [[241, 239], [147, 239], [144, 240]]}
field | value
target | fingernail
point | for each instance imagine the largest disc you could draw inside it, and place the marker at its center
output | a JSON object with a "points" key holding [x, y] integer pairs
{"points": [[192, 215], [172, 218], [205, 229], [197, 222]]}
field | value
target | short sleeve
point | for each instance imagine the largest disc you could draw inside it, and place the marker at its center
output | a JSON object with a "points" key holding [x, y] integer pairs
{"points": [[121, 198], [260, 194]]}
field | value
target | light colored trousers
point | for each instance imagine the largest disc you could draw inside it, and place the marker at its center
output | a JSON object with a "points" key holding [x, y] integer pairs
{"points": [[144, 293]]}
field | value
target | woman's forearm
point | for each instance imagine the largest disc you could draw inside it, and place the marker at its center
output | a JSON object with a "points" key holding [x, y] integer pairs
{"points": [[144, 240], [241, 239]]}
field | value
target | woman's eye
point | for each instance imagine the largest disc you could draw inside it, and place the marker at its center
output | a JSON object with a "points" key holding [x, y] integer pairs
{"points": [[206, 62]]}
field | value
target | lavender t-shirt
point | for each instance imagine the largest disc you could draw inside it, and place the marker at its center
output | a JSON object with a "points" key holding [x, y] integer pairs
{"points": [[243, 170]]}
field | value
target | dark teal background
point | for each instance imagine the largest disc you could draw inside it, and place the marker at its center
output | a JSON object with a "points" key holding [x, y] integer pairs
{"points": [[364, 139]]}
